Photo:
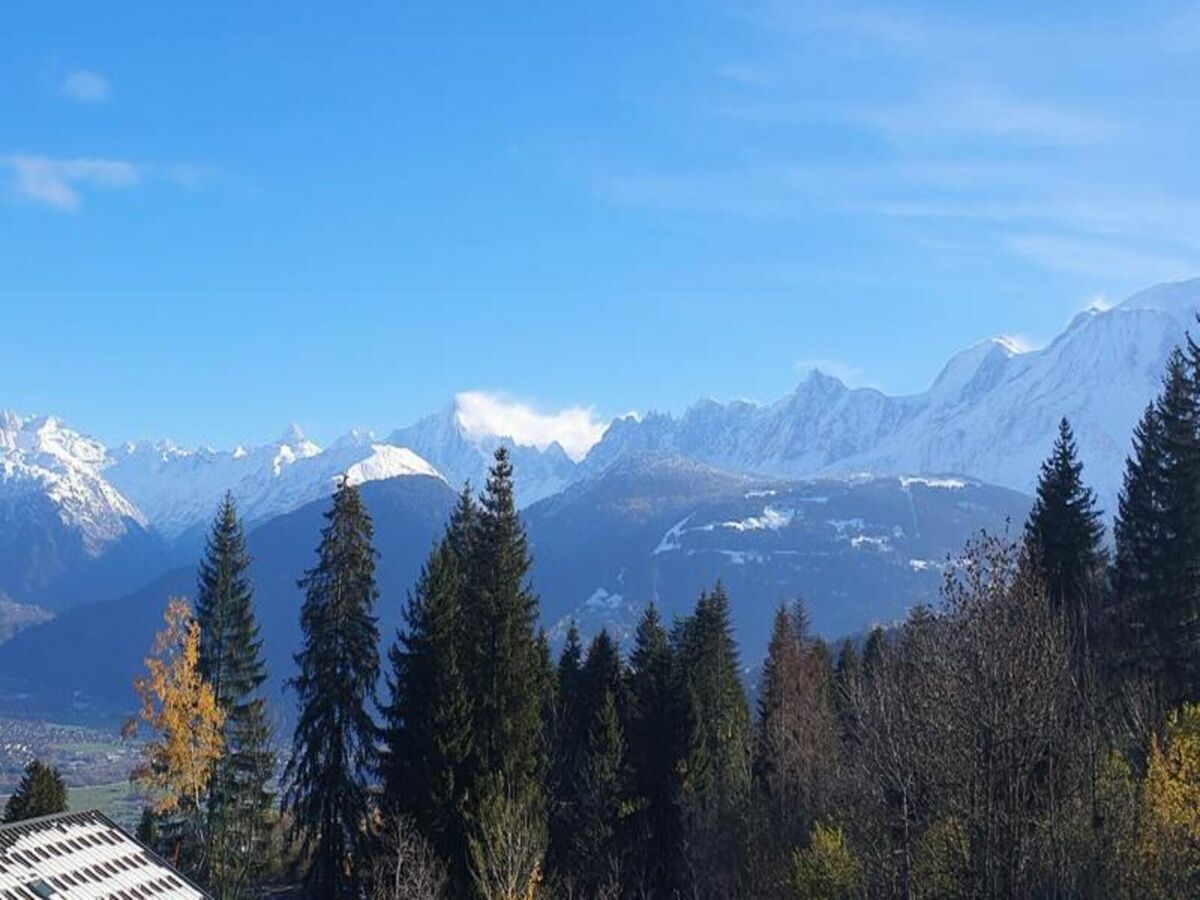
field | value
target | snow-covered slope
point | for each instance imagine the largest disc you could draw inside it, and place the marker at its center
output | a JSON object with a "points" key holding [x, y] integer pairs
{"points": [[178, 490], [66, 533], [990, 414], [461, 455], [42, 458]]}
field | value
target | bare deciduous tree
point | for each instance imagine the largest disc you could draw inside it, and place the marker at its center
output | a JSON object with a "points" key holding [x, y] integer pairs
{"points": [[404, 866]]}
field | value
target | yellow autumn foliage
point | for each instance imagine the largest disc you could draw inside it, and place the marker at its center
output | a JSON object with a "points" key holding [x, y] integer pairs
{"points": [[826, 869], [181, 712], [1168, 845]]}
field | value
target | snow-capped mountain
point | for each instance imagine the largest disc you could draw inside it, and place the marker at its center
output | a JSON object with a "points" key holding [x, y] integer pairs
{"points": [[462, 455], [178, 489], [42, 458], [67, 534], [991, 413]]}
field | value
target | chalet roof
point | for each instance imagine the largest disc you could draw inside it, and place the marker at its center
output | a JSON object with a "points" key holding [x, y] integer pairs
{"points": [[83, 856]]}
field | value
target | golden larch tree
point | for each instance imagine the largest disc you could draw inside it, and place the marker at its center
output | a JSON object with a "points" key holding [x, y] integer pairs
{"points": [[181, 712]]}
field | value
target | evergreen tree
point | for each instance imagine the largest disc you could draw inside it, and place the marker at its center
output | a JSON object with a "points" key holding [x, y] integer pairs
{"points": [[567, 678], [846, 676], [592, 791], [716, 761], [1158, 534], [40, 792], [565, 724], [872, 657], [428, 720], [653, 828], [506, 664], [334, 745], [238, 804], [1176, 615], [1064, 533], [602, 672], [601, 793], [1140, 546]]}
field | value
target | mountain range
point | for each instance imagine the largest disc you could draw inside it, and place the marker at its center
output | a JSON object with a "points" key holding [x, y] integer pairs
{"points": [[81, 521]]}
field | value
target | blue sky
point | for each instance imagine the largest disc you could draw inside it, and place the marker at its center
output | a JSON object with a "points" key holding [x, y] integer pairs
{"points": [[216, 218]]}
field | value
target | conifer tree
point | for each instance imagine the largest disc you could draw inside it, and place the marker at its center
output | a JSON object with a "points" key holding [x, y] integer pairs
{"points": [[567, 677], [653, 828], [506, 667], [230, 659], [600, 797], [1158, 533], [716, 722], [591, 797], [1064, 537], [334, 745], [846, 678], [872, 657], [565, 724], [40, 792], [1140, 546], [1176, 619], [428, 737]]}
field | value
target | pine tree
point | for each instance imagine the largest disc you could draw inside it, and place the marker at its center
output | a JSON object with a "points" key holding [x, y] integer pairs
{"points": [[846, 678], [601, 793], [653, 828], [565, 724], [567, 678], [1140, 544], [1176, 618], [716, 722], [40, 792], [872, 657], [505, 668], [428, 738], [1064, 533], [589, 802], [334, 745], [1158, 534], [239, 801]]}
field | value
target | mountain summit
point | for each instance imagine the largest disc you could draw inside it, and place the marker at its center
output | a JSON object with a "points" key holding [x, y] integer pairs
{"points": [[991, 413]]}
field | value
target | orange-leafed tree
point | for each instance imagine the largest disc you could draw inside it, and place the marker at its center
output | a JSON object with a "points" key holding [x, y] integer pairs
{"points": [[181, 713]]}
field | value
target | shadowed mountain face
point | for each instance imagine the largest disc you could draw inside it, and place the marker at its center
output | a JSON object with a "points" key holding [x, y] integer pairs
{"points": [[648, 528], [82, 663], [859, 551], [51, 563]]}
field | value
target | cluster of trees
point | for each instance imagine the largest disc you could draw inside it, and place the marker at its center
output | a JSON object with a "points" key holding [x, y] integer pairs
{"points": [[40, 792], [209, 763], [1034, 734]]}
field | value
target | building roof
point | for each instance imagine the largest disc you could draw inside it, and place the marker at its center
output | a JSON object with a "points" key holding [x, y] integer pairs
{"points": [[83, 856]]}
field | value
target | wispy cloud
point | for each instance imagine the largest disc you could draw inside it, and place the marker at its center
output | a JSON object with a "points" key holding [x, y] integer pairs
{"points": [[974, 131], [1090, 256], [85, 86], [482, 413], [61, 184], [985, 111], [57, 183]]}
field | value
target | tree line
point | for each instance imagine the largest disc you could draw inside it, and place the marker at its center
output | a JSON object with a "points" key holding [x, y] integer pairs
{"points": [[1035, 733]]}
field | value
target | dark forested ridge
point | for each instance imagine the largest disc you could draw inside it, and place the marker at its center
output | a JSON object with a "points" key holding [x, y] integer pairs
{"points": [[860, 551]]}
